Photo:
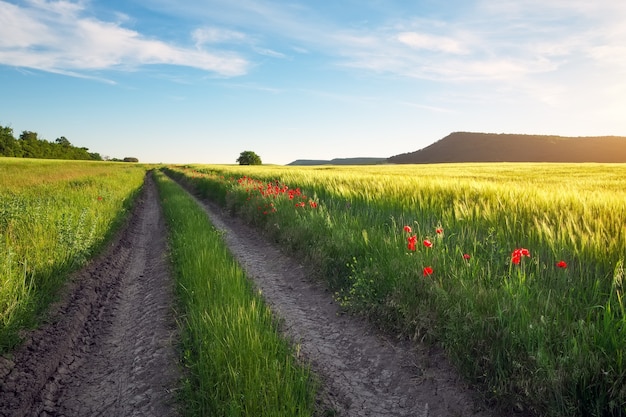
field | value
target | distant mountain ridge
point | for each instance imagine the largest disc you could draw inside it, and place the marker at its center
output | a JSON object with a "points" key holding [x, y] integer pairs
{"points": [[339, 161], [503, 147], [500, 147]]}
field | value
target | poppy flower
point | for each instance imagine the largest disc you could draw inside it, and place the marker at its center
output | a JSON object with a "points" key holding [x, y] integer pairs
{"points": [[428, 243], [439, 230], [408, 229], [561, 264], [466, 256], [427, 271], [516, 256], [412, 241]]}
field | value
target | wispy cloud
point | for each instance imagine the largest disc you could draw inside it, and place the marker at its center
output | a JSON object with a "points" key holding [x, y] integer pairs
{"points": [[58, 36], [432, 42], [214, 35], [269, 52]]}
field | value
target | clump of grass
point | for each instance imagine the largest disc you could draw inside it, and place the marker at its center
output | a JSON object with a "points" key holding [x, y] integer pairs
{"points": [[237, 363], [54, 215]]}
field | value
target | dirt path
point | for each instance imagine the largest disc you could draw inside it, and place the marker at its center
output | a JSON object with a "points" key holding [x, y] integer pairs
{"points": [[109, 347], [364, 373]]}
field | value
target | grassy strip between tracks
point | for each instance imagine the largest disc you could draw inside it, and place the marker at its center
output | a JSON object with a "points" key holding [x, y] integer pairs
{"points": [[237, 364]]}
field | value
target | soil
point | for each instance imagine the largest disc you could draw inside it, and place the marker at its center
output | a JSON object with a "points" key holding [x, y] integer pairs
{"points": [[109, 345]]}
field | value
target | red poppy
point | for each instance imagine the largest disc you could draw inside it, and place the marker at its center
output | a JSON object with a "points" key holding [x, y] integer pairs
{"points": [[439, 230], [427, 271], [466, 256], [407, 229], [516, 256], [412, 241], [428, 243], [561, 264]]}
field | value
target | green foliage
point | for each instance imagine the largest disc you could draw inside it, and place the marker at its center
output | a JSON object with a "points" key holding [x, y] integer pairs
{"points": [[54, 215], [248, 158], [534, 334], [30, 146], [237, 363]]}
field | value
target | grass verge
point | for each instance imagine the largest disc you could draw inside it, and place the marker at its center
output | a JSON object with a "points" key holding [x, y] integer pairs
{"points": [[54, 217]]}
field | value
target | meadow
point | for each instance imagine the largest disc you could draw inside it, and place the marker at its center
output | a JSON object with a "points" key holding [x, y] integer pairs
{"points": [[517, 270], [54, 216]]}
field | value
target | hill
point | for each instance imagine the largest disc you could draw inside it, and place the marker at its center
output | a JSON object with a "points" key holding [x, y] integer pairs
{"points": [[492, 147], [339, 161]]}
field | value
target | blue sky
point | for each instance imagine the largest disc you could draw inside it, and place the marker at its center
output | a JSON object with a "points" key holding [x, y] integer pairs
{"points": [[201, 81]]}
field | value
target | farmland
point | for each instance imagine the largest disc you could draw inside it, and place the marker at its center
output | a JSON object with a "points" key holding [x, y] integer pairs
{"points": [[54, 216], [516, 269], [108, 344]]}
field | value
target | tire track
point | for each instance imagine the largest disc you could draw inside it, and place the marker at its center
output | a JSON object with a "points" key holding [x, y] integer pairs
{"points": [[109, 348], [363, 373]]}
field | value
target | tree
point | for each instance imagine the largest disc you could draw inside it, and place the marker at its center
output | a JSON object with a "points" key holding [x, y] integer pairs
{"points": [[30, 144], [8, 144], [63, 141], [249, 158]]}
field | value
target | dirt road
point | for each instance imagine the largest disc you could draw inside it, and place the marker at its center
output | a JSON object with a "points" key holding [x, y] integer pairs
{"points": [[108, 349], [109, 346], [364, 373]]}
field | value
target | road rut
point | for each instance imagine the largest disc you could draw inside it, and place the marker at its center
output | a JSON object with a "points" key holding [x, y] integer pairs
{"points": [[109, 348]]}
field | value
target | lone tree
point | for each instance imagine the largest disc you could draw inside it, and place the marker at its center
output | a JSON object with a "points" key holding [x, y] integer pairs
{"points": [[249, 158]]}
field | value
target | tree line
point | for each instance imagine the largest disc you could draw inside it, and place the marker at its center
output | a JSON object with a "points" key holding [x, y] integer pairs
{"points": [[29, 145]]}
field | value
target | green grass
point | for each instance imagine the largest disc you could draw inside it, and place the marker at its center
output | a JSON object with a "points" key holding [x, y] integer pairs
{"points": [[54, 215], [550, 339], [236, 362]]}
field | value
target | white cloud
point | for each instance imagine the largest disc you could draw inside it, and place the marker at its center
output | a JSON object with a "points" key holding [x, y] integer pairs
{"points": [[18, 29], [511, 41], [508, 40], [431, 42], [55, 36]]}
